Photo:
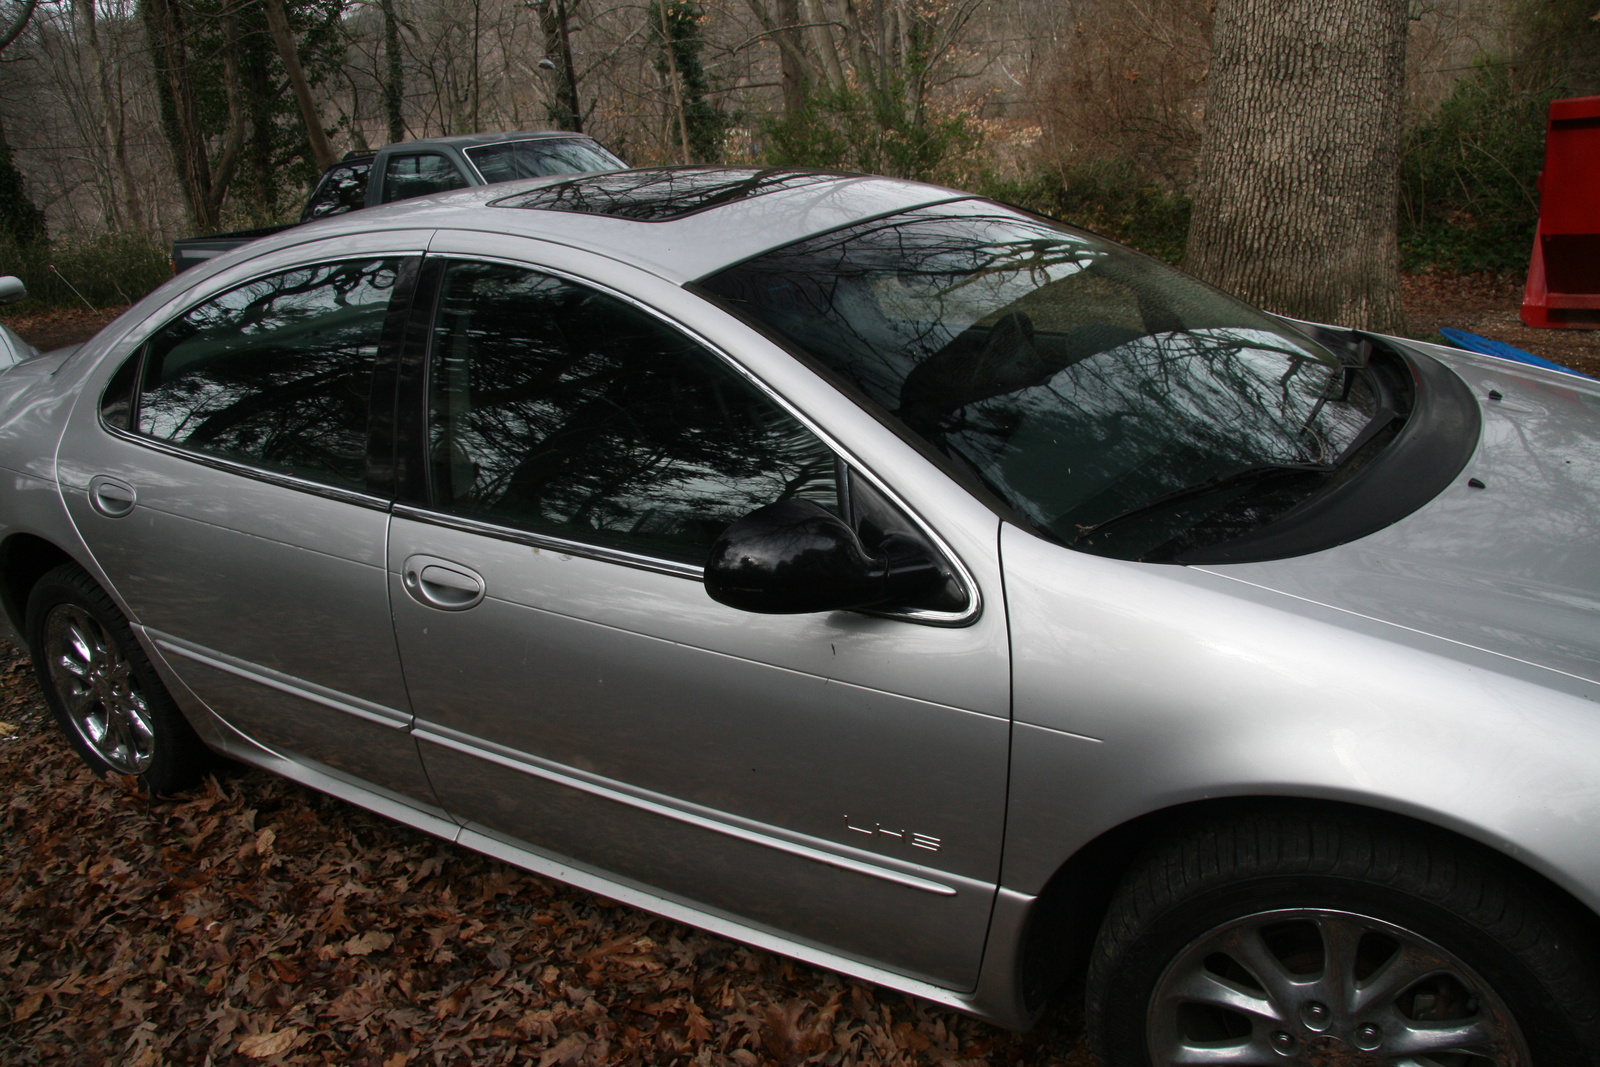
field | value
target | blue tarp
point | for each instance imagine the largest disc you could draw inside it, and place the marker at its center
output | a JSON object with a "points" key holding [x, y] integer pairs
{"points": [[1473, 343]]}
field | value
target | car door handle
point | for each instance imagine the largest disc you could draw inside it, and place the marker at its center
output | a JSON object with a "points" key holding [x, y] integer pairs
{"points": [[110, 497], [442, 584]]}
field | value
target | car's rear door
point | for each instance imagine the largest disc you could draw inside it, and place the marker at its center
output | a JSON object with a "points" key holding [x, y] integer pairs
{"points": [[223, 478], [836, 778]]}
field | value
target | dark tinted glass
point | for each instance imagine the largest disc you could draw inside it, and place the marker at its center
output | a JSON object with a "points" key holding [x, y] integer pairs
{"points": [[276, 373], [1085, 383], [343, 188], [421, 175], [568, 412], [661, 194], [540, 157]]}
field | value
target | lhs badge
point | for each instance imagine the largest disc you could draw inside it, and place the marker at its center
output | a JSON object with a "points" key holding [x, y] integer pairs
{"points": [[908, 837]]}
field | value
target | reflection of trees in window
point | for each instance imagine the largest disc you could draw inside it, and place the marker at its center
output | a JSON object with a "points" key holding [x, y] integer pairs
{"points": [[657, 195], [569, 412], [276, 372], [1077, 378], [535, 159]]}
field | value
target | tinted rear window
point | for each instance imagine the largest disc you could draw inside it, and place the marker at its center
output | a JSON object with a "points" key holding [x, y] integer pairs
{"points": [[540, 158]]}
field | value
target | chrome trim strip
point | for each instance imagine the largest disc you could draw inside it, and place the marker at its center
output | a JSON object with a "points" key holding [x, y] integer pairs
{"points": [[612, 888], [545, 541], [1063, 733], [283, 683], [434, 821], [653, 803], [232, 466]]}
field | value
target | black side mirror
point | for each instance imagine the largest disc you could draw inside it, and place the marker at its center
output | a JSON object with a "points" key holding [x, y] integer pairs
{"points": [[795, 557]]}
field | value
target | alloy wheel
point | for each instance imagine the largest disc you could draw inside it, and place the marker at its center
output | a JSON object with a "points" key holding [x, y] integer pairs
{"points": [[1325, 988], [98, 691]]}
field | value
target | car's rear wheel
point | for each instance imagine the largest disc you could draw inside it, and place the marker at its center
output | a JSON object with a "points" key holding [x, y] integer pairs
{"points": [[1308, 939], [106, 697]]}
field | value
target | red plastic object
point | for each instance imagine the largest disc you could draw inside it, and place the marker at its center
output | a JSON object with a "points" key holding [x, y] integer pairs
{"points": [[1564, 278]]}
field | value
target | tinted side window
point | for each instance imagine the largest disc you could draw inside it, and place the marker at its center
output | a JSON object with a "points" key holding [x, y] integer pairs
{"points": [[565, 411], [407, 176], [275, 373], [343, 188]]}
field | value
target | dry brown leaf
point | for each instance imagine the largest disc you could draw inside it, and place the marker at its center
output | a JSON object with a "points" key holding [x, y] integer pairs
{"points": [[272, 1043], [368, 943], [565, 1052], [29, 1005], [134, 924]]}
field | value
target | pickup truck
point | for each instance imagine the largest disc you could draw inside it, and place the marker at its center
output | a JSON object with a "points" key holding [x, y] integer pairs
{"points": [[418, 168]]}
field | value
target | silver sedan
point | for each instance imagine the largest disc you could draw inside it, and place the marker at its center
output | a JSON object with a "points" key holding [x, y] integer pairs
{"points": [[871, 573]]}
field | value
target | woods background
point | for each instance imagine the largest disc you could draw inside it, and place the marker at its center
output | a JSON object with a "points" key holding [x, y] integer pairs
{"points": [[124, 123]]}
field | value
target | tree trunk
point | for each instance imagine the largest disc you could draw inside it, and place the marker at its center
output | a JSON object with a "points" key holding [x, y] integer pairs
{"points": [[180, 116], [321, 149], [824, 46], [554, 21], [393, 77], [1297, 194], [791, 53], [112, 122], [669, 45]]}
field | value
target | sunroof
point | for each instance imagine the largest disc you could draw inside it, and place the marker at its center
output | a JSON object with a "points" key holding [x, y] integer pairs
{"points": [[662, 194]]}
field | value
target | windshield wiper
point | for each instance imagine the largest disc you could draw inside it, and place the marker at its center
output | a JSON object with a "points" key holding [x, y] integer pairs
{"points": [[1244, 477]]}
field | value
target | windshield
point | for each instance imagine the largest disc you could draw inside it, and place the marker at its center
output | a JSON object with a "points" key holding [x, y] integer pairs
{"points": [[540, 157], [1119, 405]]}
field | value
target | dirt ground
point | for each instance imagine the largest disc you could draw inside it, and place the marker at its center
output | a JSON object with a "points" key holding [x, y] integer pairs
{"points": [[1489, 307], [1478, 304]]}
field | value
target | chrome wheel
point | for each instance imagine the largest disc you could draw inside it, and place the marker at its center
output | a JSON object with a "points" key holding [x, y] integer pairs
{"points": [[1325, 988], [98, 692]]}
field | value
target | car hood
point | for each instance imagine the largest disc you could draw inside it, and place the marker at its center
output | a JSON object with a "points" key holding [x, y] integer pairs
{"points": [[1513, 567]]}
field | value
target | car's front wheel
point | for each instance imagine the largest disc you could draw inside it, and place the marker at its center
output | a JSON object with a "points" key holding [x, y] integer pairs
{"points": [[105, 695], [1304, 938]]}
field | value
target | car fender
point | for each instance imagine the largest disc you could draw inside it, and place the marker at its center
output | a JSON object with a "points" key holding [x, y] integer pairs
{"points": [[1140, 687]]}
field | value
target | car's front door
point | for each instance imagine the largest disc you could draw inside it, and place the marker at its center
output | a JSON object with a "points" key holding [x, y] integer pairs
{"points": [[223, 480], [838, 778]]}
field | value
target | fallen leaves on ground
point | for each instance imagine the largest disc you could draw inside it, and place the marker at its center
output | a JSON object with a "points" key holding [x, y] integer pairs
{"points": [[59, 327], [1491, 307], [254, 921]]}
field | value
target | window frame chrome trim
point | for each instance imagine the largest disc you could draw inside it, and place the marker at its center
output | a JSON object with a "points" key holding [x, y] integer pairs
{"points": [[517, 535], [923, 616], [232, 466], [137, 352]]}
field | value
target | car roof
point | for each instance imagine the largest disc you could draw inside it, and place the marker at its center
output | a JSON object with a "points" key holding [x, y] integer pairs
{"points": [[777, 207]]}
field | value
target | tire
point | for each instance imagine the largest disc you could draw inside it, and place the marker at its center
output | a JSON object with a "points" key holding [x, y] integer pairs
{"points": [[1301, 937], [104, 693]]}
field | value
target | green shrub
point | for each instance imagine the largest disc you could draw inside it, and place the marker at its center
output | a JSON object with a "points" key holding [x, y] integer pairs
{"points": [[107, 269], [873, 133], [1468, 202], [1109, 197]]}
